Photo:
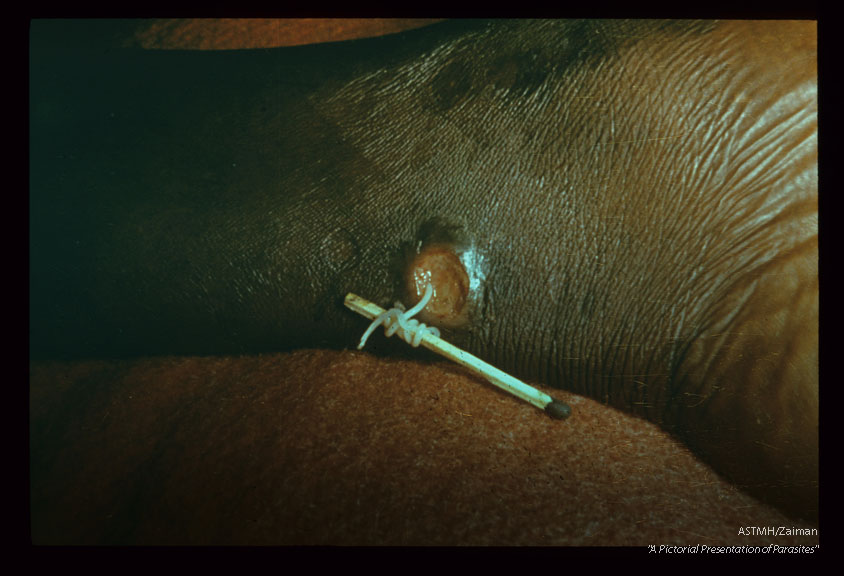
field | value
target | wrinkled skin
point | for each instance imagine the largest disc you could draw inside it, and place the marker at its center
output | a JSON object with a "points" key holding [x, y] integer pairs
{"points": [[642, 197]]}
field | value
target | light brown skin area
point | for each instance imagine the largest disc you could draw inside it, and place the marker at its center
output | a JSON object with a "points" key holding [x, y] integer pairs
{"points": [[644, 195], [246, 33]]}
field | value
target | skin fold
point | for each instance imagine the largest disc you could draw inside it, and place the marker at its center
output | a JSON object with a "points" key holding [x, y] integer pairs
{"points": [[634, 204]]}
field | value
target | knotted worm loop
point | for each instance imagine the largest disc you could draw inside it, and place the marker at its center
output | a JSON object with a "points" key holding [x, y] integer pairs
{"points": [[398, 321]]}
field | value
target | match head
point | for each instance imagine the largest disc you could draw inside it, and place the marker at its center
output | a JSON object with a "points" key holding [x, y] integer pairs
{"points": [[558, 410]]}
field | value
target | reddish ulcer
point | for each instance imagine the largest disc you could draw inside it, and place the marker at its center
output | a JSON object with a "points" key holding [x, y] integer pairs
{"points": [[443, 269]]}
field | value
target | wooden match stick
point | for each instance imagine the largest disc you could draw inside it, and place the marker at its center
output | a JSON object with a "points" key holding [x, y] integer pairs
{"points": [[554, 408]]}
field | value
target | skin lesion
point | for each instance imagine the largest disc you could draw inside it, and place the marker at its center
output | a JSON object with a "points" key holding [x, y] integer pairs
{"points": [[440, 266]]}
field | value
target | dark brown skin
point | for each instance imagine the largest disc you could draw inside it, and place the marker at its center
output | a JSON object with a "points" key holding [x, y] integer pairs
{"points": [[642, 198]]}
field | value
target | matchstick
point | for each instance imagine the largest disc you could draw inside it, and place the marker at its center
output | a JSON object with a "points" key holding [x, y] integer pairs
{"points": [[554, 408]]}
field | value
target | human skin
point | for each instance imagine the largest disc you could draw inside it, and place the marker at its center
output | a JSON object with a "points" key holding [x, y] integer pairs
{"points": [[634, 205]]}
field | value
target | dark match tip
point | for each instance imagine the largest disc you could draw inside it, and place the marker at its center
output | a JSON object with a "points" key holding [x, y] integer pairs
{"points": [[558, 410]]}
